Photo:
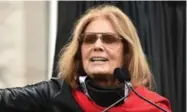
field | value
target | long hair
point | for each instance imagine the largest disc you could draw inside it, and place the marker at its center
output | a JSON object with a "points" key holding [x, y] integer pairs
{"points": [[70, 59]]}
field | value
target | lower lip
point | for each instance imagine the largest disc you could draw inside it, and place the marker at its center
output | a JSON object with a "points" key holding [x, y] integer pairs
{"points": [[98, 62]]}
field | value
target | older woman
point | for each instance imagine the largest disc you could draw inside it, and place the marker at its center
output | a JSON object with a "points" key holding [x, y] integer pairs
{"points": [[103, 39]]}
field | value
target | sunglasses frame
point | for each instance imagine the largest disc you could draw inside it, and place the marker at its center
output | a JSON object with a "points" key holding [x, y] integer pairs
{"points": [[99, 35]]}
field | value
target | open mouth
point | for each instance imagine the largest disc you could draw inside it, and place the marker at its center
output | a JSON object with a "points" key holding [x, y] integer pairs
{"points": [[101, 59]]}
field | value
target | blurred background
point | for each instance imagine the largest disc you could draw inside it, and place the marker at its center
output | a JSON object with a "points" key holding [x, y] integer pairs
{"points": [[24, 42]]}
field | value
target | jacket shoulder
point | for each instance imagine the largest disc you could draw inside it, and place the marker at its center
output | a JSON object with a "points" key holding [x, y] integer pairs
{"points": [[150, 95]]}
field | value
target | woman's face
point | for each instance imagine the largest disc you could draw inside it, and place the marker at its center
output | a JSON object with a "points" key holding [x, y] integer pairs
{"points": [[101, 56]]}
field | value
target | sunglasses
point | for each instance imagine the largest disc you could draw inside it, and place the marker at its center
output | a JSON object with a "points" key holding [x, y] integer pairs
{"points": [[106, 38]]}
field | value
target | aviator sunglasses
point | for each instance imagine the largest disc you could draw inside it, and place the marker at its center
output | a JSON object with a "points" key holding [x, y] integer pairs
{"points": [[110, 39]]}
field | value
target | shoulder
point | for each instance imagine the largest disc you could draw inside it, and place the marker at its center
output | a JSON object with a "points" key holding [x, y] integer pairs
{"points": [[58, 87], [143, 91], [150, 95]]}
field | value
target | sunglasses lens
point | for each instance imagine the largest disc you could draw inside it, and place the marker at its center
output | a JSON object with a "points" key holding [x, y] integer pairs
{"points": [[89, 38], [109, 39]]}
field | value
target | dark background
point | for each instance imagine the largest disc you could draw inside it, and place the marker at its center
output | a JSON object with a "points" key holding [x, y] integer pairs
{"points": [[161, 26]]}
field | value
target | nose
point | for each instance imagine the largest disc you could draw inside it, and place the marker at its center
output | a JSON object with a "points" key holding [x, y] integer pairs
{"points": [[98, 45]]}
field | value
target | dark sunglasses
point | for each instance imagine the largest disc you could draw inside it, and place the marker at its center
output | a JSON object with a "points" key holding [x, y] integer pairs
{"points": [[107, 38]]}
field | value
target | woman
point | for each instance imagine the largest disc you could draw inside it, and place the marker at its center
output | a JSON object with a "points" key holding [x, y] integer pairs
{"points": [[103, 39]]}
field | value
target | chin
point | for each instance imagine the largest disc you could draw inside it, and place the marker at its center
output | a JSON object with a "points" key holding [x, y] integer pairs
{"points": [[99, 71]]}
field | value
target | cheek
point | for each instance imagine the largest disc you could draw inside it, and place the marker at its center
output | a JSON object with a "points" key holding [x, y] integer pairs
{"points": [[118, 56]]}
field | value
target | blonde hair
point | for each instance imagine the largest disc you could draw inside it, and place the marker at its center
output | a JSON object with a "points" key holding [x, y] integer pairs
{"points": [[70, 62]]}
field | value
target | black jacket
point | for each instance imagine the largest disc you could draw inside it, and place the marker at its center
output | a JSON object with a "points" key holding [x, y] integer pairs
{"points": [[54, 95]]}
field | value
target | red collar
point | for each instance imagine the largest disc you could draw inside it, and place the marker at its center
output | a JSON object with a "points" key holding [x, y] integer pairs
{"points": [[132, 104]]}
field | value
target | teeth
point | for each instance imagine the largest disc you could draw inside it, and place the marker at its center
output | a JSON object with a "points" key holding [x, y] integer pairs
{"points": [[98, 59]]}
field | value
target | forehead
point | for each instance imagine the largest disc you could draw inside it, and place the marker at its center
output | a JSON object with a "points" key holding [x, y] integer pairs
{"points": [[100, 25]]}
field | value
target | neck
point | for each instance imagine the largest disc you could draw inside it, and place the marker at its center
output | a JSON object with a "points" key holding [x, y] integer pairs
{"points": [[104, 93], [106, 82]]}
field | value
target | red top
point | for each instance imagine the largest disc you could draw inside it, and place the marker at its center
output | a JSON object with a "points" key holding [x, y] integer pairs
{"points": [[132, 104]]}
